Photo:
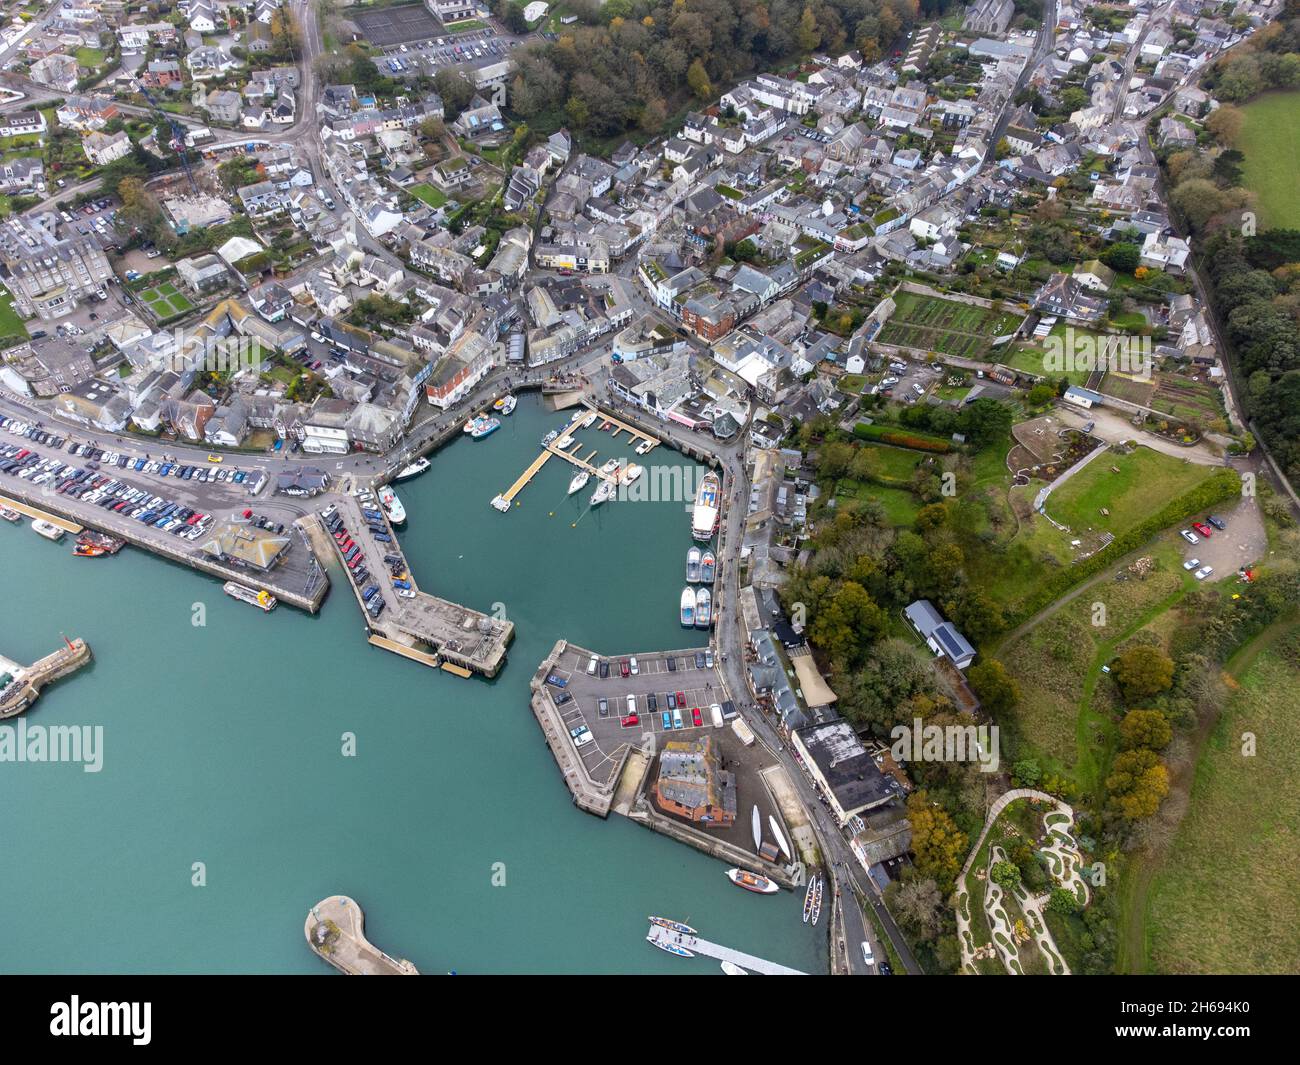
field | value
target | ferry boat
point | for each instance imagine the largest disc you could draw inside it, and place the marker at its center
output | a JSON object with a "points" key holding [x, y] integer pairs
{"points": [[413, 470], [10, 515], [506, 404], [671, 948], [579, 481], [708, 567], [693, 566], [391, 504], [779, 836], [756, 823], [808, 898], [732, 969], [46, 529], [500, 503], [261, 598], [673, 926], [703, 608], [760, 885], [485, 427], [817, 901], [688, 607], [605, 491], [704, 519]]}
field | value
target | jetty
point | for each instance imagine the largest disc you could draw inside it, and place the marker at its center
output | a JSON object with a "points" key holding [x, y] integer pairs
{"points": [[20, 685], [335, 931], [702, 947], [38, 514]]}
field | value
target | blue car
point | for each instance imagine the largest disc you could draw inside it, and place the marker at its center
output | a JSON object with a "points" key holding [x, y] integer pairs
{"points": [[668, 719]]}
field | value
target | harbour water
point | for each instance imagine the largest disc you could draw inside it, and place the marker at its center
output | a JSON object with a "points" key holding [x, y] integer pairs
{"points": [[451, 826]]}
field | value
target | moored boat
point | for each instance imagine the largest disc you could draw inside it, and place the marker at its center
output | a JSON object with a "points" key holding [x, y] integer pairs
{"points": [[779, 836], [261, 598], [579, 481], [693, 565], [485, 427], [760, 885], [704, 518], [610, 467], [47, 529], [549, 438], [631, 473], [669, 946], [673, 926], [10, 515], [708, 567], [413, 470], [817, 899], [756, 823], [88, 550], [688, 607], [808, 897], [603, 492], [703, 608], [732, 969], [500, 503], [91, 544], [391, 504], [506, 404]]}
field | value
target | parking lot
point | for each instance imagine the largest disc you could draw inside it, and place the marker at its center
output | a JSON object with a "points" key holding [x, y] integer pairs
{"points": [[1243, 542], [409, 56], [397, 25]]}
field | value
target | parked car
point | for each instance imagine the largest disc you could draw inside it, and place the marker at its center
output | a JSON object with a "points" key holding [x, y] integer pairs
{"points": [[1191, 563], [1189, 536], [1217, 522], [1204, 572]]}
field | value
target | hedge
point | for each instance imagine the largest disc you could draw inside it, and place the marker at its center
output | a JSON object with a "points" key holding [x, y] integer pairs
{"points": [[1225, 484], [901, 437]]}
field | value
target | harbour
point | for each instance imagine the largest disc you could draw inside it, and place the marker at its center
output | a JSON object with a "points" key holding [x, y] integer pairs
{"points": [[427, 744], [665, 938], [21, 685], [335, 931]]}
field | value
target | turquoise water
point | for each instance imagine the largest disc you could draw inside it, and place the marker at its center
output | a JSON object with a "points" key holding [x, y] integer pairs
{"points": [[222, 746]]}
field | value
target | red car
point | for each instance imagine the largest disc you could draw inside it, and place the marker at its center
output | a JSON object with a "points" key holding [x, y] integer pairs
{"points": [[624, 668], [681, 699], [1203, 529], [695, 716], [631, 720]]}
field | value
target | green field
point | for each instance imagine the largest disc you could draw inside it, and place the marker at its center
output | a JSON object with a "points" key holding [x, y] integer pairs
{"points": [[435, 198], [947, 326], [1270, 139], [1225, 901], [166, 300], [1146, 481], [89, 57], [12, 327]]}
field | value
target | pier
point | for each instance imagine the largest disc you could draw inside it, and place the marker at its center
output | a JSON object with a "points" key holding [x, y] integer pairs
{"points": [[335, 931], [24, 683], [41, 515], [703, 948], [422, 627]]}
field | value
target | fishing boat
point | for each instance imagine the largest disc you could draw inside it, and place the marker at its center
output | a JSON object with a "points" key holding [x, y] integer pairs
{"points": [[604, 492], [260, 598], [500, 503], [732, 969], [391, 504], [760, 885], [485, 427], [549, 438], [703, 608], [579, 481], [413, 470], [506, 404], [708, 567], [688, 607], [704, 518], [48, 530], [10, 515], [808, 898], [693, 566], [817, 900], [779, 836], [669, 946], [673, 926], [756, 822]]}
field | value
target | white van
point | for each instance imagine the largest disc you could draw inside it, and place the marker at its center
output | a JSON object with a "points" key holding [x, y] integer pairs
{"points": [[677, 719], [591, 667], [631, 704], [867, 956]]}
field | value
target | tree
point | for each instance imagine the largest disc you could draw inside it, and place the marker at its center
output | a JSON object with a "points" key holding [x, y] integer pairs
{"points": [[1145, 728], [848, 624], [1006, 875], [1137, 783], [1143, 671], [1063, 902], [938, 845], [918, 905], [1124, 257], [997, 690], [698, 79], [808, 35]]}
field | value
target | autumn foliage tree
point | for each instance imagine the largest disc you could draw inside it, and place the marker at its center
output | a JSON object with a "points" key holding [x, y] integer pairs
{"points": [[938, 845]]}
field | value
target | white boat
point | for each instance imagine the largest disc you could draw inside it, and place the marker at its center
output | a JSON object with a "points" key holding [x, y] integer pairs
{"points": [[703, 608], [391, 504], [604, 492], [609, 467], [10, 515], [500, 503], [469, 425], [262, 599], [808, 898], [817, 899], [549, 438], [708, 567], [756, 822], [688, 607], [779, 836], [693, 566], [754, 882], [46, 529], [413, 470], [644, 447], [669, 946], [704, 518], [732, 969], [673, 926], [506, 404], [485, 427], [579, 481], [632, 472]]}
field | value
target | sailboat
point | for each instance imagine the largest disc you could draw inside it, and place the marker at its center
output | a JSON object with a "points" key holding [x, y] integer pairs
{"points": [[605, 491], [579, 481]]}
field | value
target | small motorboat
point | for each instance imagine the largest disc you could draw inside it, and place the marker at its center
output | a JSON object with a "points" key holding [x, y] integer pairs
{"points": [[669, 946], [673, 926], [548, 439], [579, 481], [500, 503], [610, 467], [732, 969], [632, 472], [413, 470], [47, 529], [505, 405], [688, 608], [485, 427], [10, 515], [693, 565], [760, 885], [703, 608], [708, 567]]}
